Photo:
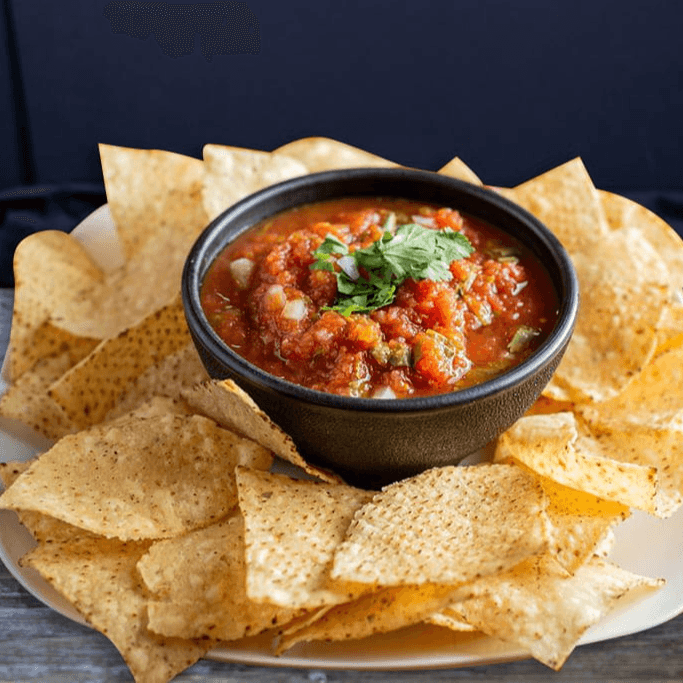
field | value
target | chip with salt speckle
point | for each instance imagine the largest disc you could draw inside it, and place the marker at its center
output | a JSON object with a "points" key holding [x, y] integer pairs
{"points": [[292, 528], [447, 525], [580, 522], [544, 609], [232, 173], [198, 586], [231, 407], [551, 446], [138, 478], [99, 578], [89, 390], [381, 611], [325, 154]]}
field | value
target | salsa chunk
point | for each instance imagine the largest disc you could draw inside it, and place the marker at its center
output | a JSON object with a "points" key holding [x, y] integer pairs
{"points": [[379, 298]]}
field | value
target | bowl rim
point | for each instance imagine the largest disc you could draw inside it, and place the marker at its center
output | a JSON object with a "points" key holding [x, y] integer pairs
{"points": [[197, 263]]}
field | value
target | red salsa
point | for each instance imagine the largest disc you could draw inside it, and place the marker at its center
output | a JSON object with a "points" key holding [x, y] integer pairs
{"points": [[272, 296]]}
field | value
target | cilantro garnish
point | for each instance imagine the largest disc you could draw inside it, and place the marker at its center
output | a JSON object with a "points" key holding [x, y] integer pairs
{"points": [[367, 279]]}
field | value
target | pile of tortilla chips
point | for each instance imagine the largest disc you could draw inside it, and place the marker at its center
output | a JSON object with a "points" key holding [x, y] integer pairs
{"points": [[155, 509]]}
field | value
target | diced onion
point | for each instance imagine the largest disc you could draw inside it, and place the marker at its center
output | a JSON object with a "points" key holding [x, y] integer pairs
{"points": [[349, 266], [427, 221], [294, 310], [384, 392], [275, 298], [241, 270], [519, 287], [390, 223]]}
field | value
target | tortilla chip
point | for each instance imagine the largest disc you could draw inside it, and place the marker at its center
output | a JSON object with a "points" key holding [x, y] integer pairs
{"points": [[50, 267], [581, 523], [167, 378], [440, 527], [98, 577], [566, 200], [379, 612], [27, 400], [622, 302], [138, 478], [457, 168], [198, 583], [292, 529], [622, 212], [152, 194], [43, 528], [325, 154], [232, 173], [154, 199], [541, 608], [232, 408], [650, 449], [654, 399], [550, 446], [88, 391]]}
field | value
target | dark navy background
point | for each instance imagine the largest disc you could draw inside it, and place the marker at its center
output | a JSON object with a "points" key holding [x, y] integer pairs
{"points": [[513, 88]]}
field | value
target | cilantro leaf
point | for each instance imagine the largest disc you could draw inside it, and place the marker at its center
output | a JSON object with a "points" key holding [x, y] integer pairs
{"points": [[413, 251]]}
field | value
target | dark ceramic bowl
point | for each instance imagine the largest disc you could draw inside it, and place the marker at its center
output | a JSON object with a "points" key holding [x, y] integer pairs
{"points": [[371, 442]]}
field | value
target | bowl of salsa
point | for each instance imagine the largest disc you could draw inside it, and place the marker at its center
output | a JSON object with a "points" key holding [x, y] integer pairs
{"points": [[389, 320]]}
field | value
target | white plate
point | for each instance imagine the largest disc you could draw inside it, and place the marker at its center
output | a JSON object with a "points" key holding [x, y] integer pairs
{"points": [[644, 545]]}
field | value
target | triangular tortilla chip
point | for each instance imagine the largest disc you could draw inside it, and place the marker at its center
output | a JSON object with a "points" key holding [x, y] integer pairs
{"points": [[621, 212], [325, 154], [292, 529], [152, 194], [89, 390], [566, 200], [198, 584], [232, 173], [98, 576], [622, 302], [581, 522], [550, 445], [439, 527], [545, 610], [50, 268], [457, 168], [138, 478], [231, 407]]}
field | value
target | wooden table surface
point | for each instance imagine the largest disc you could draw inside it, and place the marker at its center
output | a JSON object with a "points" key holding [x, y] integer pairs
{"points": [[37, 644]]}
